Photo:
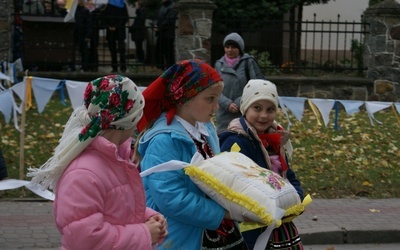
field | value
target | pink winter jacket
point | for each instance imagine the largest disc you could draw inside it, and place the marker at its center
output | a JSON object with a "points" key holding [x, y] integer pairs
{"points": [[100, 201]]}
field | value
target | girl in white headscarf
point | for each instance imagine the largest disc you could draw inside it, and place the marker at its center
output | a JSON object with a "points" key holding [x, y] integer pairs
{"points": [[258, 136], [100, 201]]}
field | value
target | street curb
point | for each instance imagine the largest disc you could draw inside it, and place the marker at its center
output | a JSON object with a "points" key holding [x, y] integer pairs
{"points": [[344, 236]]}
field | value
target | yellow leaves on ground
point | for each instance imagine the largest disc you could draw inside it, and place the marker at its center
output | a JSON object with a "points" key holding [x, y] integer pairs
{"points": [[9, 142], [384, 163], [358, 159], [338, 138], [50, 135], [367, 184]]}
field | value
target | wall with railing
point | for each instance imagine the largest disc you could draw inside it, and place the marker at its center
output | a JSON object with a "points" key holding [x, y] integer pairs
{"points": [[318, 47], [324, 46], [48, 46]]}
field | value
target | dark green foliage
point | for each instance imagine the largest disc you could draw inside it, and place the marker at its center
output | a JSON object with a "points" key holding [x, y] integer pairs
{"points": [[264, 62], [373, 2], [255, 10], [358, 48]]}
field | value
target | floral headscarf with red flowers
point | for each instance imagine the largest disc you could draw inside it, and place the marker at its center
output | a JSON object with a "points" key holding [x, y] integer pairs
{"points": [[110, 102], [176, 86]]}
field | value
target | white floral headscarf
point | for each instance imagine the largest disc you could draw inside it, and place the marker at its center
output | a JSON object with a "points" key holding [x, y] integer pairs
{"points": [[110, 102]]}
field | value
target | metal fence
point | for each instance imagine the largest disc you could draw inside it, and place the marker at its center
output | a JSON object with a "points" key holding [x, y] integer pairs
{"points": [[316, 46], [334, 45], [310, 47]]}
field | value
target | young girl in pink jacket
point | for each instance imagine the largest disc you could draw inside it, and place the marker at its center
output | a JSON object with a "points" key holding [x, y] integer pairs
{"points": [[100, 201]]}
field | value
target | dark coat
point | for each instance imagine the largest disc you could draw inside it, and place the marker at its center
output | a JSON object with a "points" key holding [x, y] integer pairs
{"points": [[83, 23], [166, 20], [138, 28], [114, 16]]}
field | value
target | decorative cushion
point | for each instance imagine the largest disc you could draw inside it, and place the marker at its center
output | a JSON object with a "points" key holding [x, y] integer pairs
{"points": [[245, 189]]}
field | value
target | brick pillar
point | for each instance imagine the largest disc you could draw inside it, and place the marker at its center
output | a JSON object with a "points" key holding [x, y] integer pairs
{"points": [[193, 36], [382, 52]]}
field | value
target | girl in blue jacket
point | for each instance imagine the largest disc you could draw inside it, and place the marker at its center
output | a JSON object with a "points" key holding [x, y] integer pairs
{"points": [[176, 124], [265, 142]]}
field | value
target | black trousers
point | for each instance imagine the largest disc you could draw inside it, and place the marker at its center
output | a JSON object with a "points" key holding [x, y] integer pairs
{"points": [[116, 44], [139, 51], [165, 52]]}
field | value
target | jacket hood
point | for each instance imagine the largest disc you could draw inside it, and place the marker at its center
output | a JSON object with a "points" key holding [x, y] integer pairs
{"points": [[233, 127]]}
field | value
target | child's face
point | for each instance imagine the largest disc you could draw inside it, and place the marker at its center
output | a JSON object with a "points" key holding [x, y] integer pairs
{"points": [[203, 106], [261, 114]]}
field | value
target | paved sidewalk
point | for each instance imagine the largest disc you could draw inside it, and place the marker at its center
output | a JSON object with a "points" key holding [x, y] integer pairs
{"points": [[360, 220], [30, 225]]}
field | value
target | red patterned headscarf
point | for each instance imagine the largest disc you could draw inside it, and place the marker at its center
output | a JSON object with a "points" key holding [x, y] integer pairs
{"points": [[176, 86]]}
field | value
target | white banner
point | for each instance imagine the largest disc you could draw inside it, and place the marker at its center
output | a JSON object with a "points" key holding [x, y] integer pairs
{"points": [[75, 92], [351, 106], [43, 89], [36, 188], [294, 104], [6, 100], [4, 77], [373, 107], [325, 107]]}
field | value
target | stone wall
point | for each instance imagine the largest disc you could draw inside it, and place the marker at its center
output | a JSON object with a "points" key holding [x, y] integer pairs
{"points": [[332, 87], [194, 29], [382, 51]]}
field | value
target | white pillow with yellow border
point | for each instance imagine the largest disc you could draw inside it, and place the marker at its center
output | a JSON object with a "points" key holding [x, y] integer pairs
{"points": [[242, 187], [245, 189]]}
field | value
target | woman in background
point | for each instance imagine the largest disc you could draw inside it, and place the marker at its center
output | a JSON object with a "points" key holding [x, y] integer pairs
{"points": [[236, 69]]}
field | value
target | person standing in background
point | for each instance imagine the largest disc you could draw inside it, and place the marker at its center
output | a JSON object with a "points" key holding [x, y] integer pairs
{"points": [[165, 32], [236, 68], [138, 30], [33, 7], [48, 8], [60, 7], [95, 15], [115, 18], [82, 35]]}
